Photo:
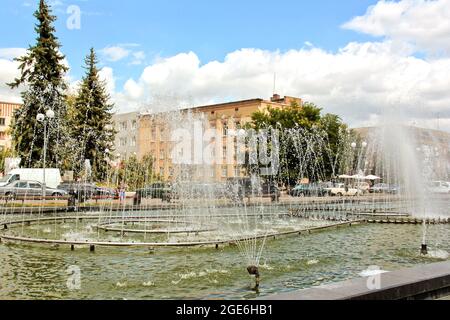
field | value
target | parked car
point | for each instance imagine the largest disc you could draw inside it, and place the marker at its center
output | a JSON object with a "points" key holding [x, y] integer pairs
{"points": [[340, 189], [23, 188], [52, 176], [439, 187], [196, 190], [81, 191], [103, 192], [394, 189], [380, 188], [308, 190], [385, 188], [159, 190], [240, 188], [363, 186]]}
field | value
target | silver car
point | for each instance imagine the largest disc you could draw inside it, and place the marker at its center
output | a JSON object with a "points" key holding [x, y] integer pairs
{"points": [[29, 189]]}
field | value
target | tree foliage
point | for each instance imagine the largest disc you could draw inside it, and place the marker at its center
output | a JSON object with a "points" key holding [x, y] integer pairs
{"points": [[311, 145], [91, 120], [42, 72], [136, 174]]}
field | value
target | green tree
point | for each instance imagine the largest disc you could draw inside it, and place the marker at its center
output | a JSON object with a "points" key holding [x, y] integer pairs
{"points": [[42, 77], [4, 153], [136, 174], [290, 117], [337, 144], [92, 120], [310, 145]]}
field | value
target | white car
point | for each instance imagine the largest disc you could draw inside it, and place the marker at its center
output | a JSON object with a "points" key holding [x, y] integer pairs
{"points": [[341, 190], [439, 187], [23, 188], [363, 186]]}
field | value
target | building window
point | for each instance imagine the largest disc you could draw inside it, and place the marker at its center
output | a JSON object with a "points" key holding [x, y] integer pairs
{"points": [[237, 171], [154, 133], [123, 125], [224, 172], [133, 142], [161, 172], [134, 124], [2, 122], [162, 155], [225, 129], [224, 152], [123, 142], [212, 173]]}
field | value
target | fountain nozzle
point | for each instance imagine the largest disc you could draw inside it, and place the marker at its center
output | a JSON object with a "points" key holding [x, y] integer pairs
{"points": [[424, 250], [254, 271]]}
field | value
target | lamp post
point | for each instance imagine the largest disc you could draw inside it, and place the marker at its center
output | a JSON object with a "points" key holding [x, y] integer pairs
{"points": [[44, 118]]}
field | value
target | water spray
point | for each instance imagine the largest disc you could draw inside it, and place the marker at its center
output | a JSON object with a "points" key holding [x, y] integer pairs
{"points": [[254, 271], [424, 248]]}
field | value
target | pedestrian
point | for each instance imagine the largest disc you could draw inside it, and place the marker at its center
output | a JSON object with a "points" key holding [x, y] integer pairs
{"points": [[122, 193]]}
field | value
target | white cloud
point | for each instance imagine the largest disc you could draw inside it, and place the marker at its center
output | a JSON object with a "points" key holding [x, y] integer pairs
{"points": [[8, 72], [106, 74], [358, 82], [133, 90], [11, 53], [138, 58], [122, 51], [115, 53], [422, 23]]}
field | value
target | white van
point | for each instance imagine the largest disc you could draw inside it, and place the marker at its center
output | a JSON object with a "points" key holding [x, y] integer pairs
{"points": [[52, 176]]}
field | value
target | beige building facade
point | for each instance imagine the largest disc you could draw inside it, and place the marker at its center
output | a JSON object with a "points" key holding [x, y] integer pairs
{"points": [[6, 116], [127, 128], [155, 137]]}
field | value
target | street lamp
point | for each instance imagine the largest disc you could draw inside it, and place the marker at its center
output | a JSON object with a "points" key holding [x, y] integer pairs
{"points": [[44, 118]]}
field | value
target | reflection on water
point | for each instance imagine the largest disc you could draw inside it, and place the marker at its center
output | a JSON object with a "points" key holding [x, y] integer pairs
{"points": [[287, 264]]}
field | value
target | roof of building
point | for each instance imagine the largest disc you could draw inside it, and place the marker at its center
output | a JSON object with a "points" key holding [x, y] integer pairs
{"points": [[11, 103], [248, 101], [280, 100]]}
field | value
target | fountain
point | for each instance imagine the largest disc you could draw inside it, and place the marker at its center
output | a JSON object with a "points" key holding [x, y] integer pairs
{"points": [[203, 213]]}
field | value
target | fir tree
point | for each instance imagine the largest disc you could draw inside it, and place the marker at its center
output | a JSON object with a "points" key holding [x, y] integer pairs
{"points": [[42, 77], [92, 119]]}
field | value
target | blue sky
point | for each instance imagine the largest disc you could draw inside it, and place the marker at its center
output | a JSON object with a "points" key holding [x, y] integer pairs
{"points": [[355, 58], [162, 28]]}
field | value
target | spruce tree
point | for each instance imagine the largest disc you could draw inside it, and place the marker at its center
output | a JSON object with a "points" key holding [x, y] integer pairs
{"points": [[92, 119], [42, 77]]}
